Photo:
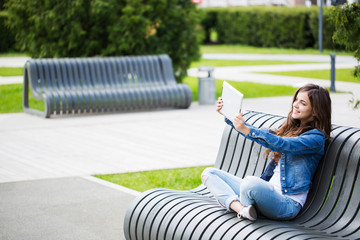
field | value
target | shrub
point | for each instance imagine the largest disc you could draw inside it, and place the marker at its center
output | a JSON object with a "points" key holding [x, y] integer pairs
{"points": [[79, 28]]}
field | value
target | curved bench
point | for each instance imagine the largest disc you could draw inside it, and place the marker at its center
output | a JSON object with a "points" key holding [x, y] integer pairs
{"points": [[330, 212], [107, 84]]}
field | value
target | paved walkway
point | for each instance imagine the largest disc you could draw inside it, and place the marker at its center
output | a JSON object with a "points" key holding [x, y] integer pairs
{"points": [[12, 62], [37, 148], [61, 209], [45, 164]]}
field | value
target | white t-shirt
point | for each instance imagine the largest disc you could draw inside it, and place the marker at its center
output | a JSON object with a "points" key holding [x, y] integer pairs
{"points": [[275, 181]]}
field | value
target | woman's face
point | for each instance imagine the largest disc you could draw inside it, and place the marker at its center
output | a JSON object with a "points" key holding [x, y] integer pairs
{"points": [[302, 109]]}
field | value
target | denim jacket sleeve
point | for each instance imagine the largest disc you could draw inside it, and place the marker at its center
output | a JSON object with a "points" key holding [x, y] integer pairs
{"points": [[309, 142]]}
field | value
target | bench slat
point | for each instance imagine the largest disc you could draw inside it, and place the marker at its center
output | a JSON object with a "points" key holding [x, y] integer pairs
{"points": [[323, 177], [342, 187]]}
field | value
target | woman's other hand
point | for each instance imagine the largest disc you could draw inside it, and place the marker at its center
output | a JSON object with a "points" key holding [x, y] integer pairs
{"points": [[239, 124], [219, 105]]}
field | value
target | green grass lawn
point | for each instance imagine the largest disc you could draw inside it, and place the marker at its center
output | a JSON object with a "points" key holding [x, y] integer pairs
{"points": [[11, 71], [340, 74], [249, 89], [226, 48], [13, 54], [11, 99], [178, 179], [228, 63]]}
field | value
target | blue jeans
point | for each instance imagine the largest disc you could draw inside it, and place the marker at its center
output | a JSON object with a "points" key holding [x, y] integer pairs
{"points": [[251, 190]]}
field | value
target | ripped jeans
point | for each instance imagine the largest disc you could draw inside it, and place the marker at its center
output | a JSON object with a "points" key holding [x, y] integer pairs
{"points": [[251, 190]]}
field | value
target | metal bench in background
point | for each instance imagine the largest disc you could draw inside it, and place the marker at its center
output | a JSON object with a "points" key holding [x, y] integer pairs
{"points": [[106, 84], [330, 212]]}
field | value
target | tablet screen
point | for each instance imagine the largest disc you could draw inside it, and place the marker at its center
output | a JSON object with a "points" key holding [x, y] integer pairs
{"points": [[232, 101]]}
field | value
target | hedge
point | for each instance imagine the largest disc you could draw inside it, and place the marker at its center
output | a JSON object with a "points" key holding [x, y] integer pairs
{"points": [[269, 26], [80, 28]]}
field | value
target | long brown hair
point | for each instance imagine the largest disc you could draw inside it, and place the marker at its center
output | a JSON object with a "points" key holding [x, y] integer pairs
{"points": [[321, 111]]}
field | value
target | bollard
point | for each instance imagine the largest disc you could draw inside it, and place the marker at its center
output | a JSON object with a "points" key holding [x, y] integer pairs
{"points": [[207, 88], [332, 87]]}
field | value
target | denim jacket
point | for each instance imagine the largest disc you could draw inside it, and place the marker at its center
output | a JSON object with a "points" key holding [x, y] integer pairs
{"points": [[299, 160]]}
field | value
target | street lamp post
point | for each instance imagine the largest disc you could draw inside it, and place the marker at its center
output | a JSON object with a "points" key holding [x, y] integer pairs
{"points": [[320, 26]]}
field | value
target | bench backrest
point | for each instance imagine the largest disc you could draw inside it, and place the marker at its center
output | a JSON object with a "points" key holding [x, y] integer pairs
{"points": [[334, 200], [67, 73]]}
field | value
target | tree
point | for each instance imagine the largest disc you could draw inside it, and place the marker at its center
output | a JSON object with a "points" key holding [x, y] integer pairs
{"points": [[347, 32], [347, 29]]}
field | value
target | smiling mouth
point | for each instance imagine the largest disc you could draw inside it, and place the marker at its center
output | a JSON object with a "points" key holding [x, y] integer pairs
{"points": [[296, 111]]}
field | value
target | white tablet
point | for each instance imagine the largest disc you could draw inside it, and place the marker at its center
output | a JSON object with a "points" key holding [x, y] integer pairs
{"points": [[232, 101]]}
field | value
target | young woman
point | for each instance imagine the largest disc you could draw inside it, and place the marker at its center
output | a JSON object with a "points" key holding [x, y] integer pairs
{"points": [[295, 150]]}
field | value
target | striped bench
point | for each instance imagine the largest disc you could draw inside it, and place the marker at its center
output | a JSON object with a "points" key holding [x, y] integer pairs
{"points": [[330, 212], [107, 84]]}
